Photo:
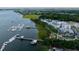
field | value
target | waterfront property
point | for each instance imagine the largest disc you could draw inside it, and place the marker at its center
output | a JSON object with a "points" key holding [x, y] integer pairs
{"points": [[64, 28]]}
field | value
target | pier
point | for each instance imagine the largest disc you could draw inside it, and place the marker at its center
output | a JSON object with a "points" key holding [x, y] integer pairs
{"points": [[32, 40], [28, 39]]}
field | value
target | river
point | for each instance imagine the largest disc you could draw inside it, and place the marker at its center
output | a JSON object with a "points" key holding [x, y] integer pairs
{"points": [[8, 19]]}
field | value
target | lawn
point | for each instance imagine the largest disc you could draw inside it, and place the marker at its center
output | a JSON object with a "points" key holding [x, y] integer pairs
{"points": [[43, 32], [31, 16]]}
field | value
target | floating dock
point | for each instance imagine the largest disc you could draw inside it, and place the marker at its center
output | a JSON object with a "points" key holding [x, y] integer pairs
{"points": [[29, 39], [33, 41]]}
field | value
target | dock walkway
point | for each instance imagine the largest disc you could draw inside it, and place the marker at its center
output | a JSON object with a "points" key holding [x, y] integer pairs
{"points": [[29, 39]]}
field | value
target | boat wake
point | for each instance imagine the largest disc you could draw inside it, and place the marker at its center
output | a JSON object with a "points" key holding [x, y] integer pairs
{"points": [[7, 42]]}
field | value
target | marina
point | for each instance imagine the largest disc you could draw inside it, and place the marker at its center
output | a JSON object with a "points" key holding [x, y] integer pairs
{"points": [[19, 27]]}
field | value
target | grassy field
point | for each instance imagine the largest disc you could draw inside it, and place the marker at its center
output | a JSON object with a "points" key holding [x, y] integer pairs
{"points": [[31, 16], [43, 32]]}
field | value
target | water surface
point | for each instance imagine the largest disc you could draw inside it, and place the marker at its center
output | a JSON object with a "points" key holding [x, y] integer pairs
{"points": [[10, 18]]}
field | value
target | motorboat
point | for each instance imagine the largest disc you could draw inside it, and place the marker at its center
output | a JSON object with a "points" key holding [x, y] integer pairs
{"points": [[33, 42]]}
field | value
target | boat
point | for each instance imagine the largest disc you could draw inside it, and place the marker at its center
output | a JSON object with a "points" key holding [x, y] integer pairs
{"points": [[28, 27], [33, 42], [21, 37], [13, 29]]}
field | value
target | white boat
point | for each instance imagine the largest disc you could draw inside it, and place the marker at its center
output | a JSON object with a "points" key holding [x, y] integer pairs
{"points": [[28, 27], [13, 29], [21, 37], [33, 41], [20, 27]]}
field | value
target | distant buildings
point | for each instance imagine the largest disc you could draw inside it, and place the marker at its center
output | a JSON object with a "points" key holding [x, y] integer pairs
{"points": [[63, 27]]}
